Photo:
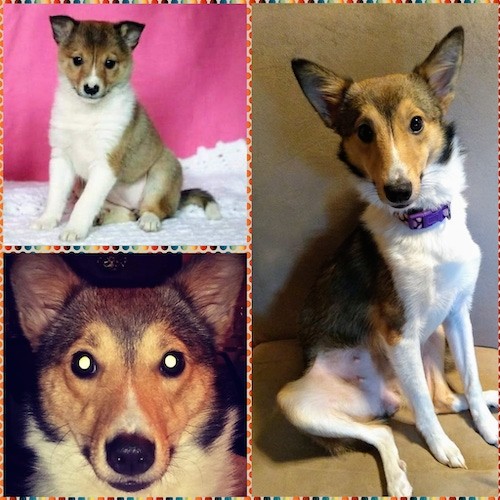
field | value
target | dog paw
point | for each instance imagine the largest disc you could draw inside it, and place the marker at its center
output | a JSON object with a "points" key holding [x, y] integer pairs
{"points": [[491, 399], [72, 234], [447, 452], [488, 428], [149, 222], [44, 223], [397, 482]]}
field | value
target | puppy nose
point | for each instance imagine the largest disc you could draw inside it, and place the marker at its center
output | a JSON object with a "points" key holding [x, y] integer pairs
{"points": [[91, 90], [399, 192], [130, 454]]}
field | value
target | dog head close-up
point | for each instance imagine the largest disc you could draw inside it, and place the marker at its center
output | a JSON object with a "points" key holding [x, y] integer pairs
{"points": [[391, 127], [95, 56], [127, 375]]}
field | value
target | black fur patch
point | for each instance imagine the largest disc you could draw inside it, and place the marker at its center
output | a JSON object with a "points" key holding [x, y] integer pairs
{"points": [[449, 135], [214, 427], [342, 156], [337, 311]]}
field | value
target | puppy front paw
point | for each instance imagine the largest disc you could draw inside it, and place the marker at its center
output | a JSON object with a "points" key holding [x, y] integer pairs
{"points": [[488, 428], [149, 222], [71, 234], [447, 452], [45, 222]]}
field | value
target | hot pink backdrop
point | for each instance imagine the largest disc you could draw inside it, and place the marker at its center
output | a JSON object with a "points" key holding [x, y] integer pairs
{"points": [[189, 73]]}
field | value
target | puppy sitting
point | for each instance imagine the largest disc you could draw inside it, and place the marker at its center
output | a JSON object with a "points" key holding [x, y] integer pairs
{"points": [[101, 134]]}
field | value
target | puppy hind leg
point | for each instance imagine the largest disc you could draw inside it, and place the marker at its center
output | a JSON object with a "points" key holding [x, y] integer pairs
{"points": [[161, 193], [113, 214], [320, 407]]}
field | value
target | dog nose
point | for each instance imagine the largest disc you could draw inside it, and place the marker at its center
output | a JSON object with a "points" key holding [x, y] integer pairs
{"points": [[91, 90], [398, 193], [130, 454]]}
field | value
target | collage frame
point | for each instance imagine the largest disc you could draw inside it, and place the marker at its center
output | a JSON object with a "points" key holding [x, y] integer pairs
{"points": [[243, 249]]}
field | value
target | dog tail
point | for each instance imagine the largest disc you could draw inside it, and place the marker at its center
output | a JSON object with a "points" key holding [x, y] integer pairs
{"points": [[201, 199]]}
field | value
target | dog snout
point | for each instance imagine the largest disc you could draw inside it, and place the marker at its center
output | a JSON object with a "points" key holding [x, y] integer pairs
{"points": [[91, 91], [398, 193], [130, 454]]}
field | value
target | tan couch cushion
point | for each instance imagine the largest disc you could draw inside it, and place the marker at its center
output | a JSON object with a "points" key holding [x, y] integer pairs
{"points": [[287, 463]]}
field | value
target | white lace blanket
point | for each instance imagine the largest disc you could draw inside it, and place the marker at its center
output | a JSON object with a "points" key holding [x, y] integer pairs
{"points": [[221, 171]]}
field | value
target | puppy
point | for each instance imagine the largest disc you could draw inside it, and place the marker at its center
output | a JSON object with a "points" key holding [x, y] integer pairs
{"points": [[100, 133]]}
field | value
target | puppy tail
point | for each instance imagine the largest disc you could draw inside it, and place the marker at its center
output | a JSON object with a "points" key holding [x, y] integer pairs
{"points": [[201, 199]]}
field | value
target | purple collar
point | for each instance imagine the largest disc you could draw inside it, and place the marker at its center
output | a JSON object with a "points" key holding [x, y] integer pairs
{"points": [[426, 218]]}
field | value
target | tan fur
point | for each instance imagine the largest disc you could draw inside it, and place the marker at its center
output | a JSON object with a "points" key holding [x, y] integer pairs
{"points": [[382, 328], [93, 406], [82, 44], [415, 151]]}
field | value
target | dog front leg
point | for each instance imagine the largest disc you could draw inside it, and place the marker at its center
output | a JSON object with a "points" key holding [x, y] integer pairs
{"points": [[458, 330], [406, 358], [100, 182], [61, 179]]}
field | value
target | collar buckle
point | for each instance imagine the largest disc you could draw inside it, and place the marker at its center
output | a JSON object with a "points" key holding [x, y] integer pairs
{"points": [[426, 218]]}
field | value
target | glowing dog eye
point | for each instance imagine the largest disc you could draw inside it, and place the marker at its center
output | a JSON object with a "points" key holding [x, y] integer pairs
{"points": [[365, 133], [83, 365], [172, 364], [416, 124], [77, 61], [109, 63]]}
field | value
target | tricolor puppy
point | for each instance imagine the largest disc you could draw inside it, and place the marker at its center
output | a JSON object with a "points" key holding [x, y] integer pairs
{"points": [[129, 399], [100, 133], [373, 324]]}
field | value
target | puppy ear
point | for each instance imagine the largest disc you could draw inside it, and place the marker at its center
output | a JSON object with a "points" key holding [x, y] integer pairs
{"points": [[41, 284], [213, 282], [324, 89], [440, 69], [62, 27], [130, 32]]}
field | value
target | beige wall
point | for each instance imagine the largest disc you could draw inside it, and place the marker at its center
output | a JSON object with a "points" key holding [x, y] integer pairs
{"points": [[303, 203]]}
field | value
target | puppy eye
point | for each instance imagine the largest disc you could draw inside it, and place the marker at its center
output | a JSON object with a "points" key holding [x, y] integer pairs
{"points": [[416, 124], [172, 364], [365, 133], [77, 61], [109, 63], [83, 365]]}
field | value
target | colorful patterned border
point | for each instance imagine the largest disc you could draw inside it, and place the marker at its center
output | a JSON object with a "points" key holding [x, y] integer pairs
{"points": [[249, 303], [124, 248]]}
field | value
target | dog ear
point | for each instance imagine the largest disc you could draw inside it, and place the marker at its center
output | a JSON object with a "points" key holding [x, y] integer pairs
{"points": [[130, 32], [213, 282], [324, 89], [41, 284], [62, 27], [441, 67]]}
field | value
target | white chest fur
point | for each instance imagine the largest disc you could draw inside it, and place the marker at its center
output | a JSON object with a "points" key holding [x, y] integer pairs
{"points": [[84, 131], [432, 269]]}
